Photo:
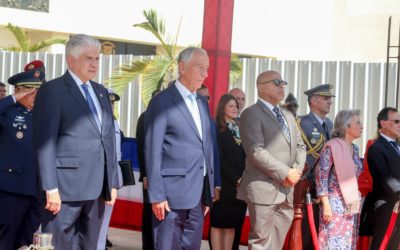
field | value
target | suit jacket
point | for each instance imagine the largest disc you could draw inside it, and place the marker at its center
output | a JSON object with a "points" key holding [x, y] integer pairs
{"points": [[383, 163], [269, 155], [233, 161], [217, 168], [73, 155], [140, 146], [18, 173], [175, 154]]}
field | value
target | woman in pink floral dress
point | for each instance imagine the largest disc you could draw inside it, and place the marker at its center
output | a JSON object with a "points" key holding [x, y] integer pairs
{"points": [[336, 181]]}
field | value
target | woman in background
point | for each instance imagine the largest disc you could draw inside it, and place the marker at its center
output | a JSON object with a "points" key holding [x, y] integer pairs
{"points": [[228, 212], [337, 171]]}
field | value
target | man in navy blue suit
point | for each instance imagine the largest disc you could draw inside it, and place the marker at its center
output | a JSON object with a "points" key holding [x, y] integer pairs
{"points": [[74, 141], [20, 209], [383, 160], [179, 156]]}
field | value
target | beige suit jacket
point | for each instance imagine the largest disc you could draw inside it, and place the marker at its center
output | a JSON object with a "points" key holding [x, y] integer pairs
{"points": [[269, 155]]}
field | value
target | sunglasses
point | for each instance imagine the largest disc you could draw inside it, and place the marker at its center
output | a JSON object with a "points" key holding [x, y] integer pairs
{"points": [[276, 82], [207, 97], [395, 121]]}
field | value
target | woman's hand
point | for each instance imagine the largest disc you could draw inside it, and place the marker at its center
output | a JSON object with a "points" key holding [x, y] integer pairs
{"points": [[326, 209], [326, 213]]}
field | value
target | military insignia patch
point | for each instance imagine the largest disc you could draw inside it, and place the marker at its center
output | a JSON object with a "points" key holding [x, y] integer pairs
{"points": [[20, 135]]}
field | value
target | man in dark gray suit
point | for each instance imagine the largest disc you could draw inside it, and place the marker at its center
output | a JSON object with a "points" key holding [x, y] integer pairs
{"points": [[74, 143], [179, 156]]}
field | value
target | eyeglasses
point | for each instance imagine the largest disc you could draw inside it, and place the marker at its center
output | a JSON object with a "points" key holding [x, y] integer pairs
{"points": [[277, 82], [395, 121]]}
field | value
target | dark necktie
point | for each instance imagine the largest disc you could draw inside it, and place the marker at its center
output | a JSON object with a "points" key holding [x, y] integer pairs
{"points": [[281, 121], [326, 130], [396, 146], [91, 104]]}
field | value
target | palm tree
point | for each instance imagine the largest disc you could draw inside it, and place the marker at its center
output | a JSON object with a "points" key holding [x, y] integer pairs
{"points": [[24, 44], [157, 71]]}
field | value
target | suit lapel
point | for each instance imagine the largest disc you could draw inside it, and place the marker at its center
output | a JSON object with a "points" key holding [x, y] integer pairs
{"points": [[389, 147], [273, 118], [102, 100], [203, 117], [181, 105], [80, 99], [292, 133]]}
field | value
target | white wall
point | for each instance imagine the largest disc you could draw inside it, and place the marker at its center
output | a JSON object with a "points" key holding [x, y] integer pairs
{"points": [[287, 29]]}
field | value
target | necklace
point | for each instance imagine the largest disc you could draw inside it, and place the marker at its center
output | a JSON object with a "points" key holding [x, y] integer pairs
{"points": [[234, 128]]}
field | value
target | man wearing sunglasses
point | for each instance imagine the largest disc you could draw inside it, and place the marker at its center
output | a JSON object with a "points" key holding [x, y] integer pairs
{"points": [[383, 161], [20, 210], [275, 159]]}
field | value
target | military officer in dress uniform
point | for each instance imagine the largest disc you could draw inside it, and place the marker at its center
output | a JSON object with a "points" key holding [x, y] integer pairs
{"points": [[315, 130], [36, 65], [291, 104], [20, 208]]}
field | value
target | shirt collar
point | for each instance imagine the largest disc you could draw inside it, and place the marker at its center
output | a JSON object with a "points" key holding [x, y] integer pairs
{"points": [[76, 79], [185, 92], [387, 137], [319, 119], [269, 105]]}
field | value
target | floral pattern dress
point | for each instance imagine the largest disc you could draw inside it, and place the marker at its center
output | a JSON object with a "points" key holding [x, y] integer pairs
{"points": [[342, 231]]}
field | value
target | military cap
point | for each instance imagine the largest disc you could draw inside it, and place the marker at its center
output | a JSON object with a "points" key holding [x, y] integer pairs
{"points": [[35, 65], [290, 99], [114, 97], [31, 78], [323, 90]]}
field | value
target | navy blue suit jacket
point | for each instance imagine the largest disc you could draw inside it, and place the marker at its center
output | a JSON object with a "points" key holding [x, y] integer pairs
{"points": [[217, 168], [73, 154], [174, 151], [18, 173], [383, 163]]}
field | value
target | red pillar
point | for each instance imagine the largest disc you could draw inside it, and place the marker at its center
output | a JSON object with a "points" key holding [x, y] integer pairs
{"points": [[217, 39]]}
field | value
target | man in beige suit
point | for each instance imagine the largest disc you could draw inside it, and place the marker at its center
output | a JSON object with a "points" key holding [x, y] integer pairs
{"points": [[275, 159]]}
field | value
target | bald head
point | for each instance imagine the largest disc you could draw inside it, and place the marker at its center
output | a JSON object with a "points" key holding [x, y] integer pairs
{"points": [[240, 97], [268, 90]]}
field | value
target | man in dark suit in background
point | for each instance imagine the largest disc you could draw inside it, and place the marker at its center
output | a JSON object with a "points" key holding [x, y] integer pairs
{"points": [[383, 161], [179, 156], [203, 91], [74, 142], [20, 206], [3, 90], [147, 231]]}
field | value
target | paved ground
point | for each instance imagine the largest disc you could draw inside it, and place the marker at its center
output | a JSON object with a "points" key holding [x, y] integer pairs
{"points": [[132, 240]]}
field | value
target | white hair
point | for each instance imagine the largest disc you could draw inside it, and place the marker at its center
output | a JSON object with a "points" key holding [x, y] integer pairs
{"points": [[186, 54], [342, 121], [77, 42]]}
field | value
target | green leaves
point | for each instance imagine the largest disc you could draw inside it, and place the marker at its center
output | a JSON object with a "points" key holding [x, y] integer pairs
{"points": [[24, 44], [155, 72], [159, 70]]}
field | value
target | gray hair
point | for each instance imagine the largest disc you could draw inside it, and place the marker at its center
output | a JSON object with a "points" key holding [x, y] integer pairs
{"points": [[342, 121], [186, 54], [77, 42]]}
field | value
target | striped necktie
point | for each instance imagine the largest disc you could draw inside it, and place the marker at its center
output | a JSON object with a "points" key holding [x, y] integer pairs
{"points": [[282, 122], [91, 104]]}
